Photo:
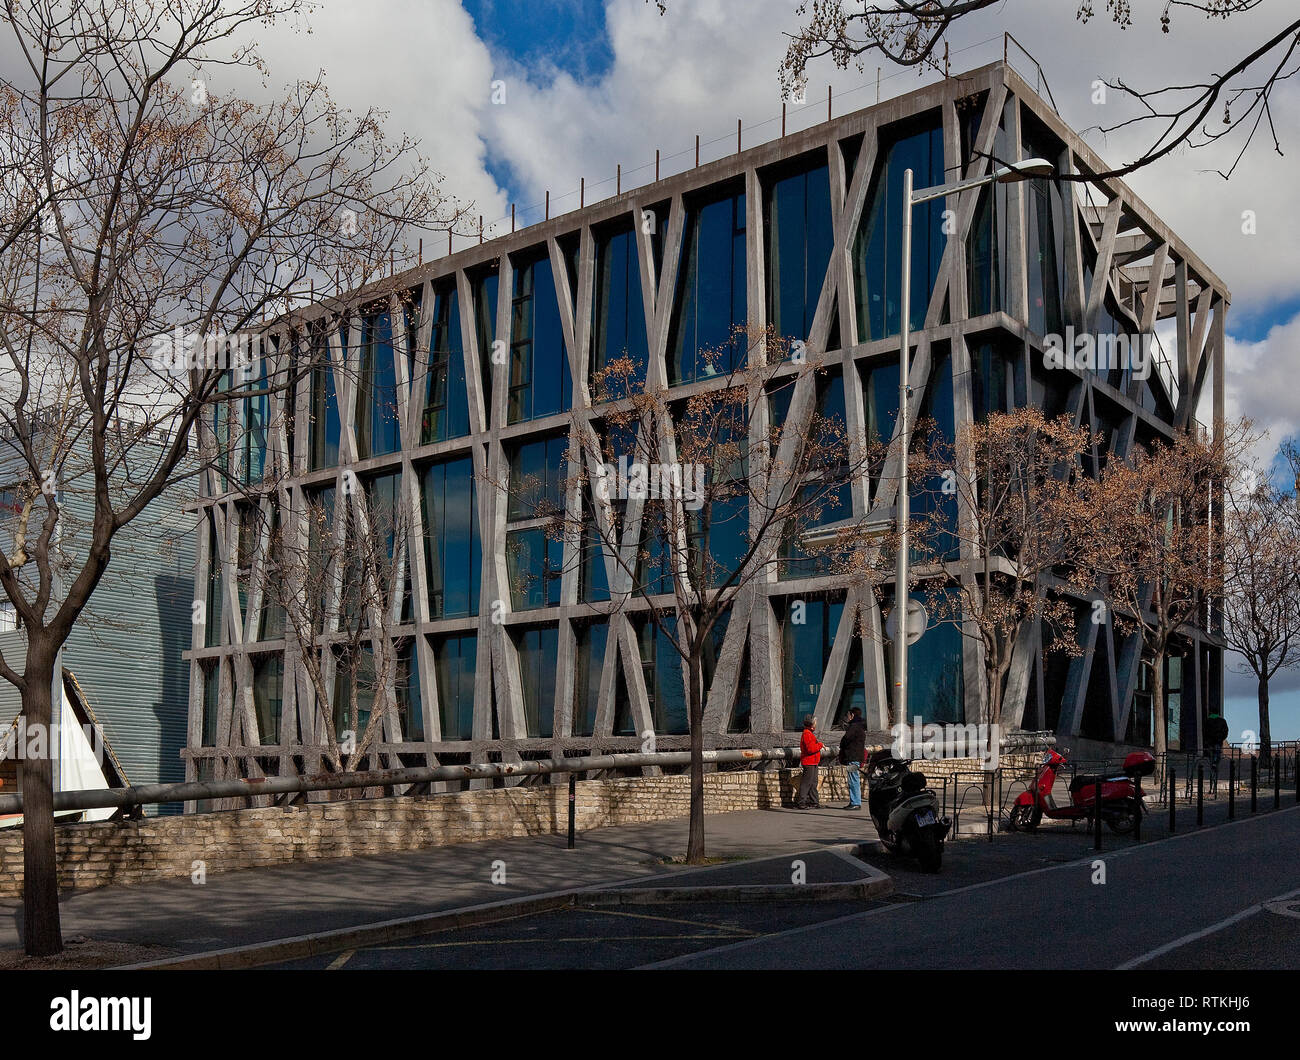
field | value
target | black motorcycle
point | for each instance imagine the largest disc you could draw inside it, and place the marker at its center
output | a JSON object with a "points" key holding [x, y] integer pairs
{"points": [[905, 811]]}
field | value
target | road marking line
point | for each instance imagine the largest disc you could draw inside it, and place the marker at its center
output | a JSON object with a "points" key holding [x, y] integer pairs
{"points": [[520, 942], [339, 961], [1083, 861], [675, 920], [1178, 943]]}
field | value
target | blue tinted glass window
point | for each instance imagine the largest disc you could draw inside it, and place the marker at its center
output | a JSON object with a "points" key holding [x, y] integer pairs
{"points": [[446, 402], [535, 562], [662, 667], [539, 368], [807, 635], [538, 473], [711, 293], [538, 650], [406, 686], [324, 430], [797, 210], [453, 553], [877, 252], [935, 683], [377, 431], [484, 286], [455, 658], [619, 313], [591, 639]]}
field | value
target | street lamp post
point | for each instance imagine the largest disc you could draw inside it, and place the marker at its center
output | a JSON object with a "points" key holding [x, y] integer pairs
{"points": [[1017, 171]]}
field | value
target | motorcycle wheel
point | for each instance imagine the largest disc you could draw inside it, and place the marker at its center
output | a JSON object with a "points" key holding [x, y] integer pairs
{"points": [[1024, 818], [929, 849], [1122, 820]]}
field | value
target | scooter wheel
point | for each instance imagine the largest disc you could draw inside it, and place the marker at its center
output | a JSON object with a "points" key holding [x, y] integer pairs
{"points": [[1122, 819], [1024, 817], [929, 850]]}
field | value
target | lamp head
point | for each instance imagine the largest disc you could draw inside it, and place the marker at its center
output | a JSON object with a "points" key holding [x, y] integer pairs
{"points": [[1029, 169]]}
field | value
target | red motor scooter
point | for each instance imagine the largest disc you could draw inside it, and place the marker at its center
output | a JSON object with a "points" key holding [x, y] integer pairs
{"points": [[1121, 795]]}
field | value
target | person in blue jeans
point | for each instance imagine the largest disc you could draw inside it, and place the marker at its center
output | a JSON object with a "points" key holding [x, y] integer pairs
{"points": [[853, 755]]}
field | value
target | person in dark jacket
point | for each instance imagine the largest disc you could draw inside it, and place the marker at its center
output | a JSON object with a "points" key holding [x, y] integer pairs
{"points": [[853, 754], [810, 758], [1216, 731]]}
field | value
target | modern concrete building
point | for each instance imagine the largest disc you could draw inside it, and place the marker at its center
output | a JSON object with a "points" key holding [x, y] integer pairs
{"points": [[408, 405], [123, 675]]}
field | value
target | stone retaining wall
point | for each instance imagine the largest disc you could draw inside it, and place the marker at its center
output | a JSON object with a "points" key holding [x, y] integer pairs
{"points": [[95, 854]]}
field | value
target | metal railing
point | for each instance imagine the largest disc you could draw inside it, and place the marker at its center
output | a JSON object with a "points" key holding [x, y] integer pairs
{"points": [[414, 780]]}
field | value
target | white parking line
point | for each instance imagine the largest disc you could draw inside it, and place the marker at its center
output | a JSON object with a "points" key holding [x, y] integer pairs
{"points": [[1169, 947]]}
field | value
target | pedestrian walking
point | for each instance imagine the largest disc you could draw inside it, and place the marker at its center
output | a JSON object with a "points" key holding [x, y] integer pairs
{"points": [[853, 755], [810, 758], [1216, 731]]}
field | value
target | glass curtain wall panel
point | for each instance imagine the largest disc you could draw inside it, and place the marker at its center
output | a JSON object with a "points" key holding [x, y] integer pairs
{"points": [[711, 299], [539, 367], [877, 249], [618, 313], [446, 401], [799, 237], [452, 549], [456, 658]]}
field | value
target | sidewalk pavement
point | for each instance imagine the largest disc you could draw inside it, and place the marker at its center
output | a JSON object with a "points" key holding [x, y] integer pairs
{"points": [[257, 905]]}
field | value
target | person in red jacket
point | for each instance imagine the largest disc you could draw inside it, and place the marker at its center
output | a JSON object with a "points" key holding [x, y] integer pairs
{"points": [[810, 758]]}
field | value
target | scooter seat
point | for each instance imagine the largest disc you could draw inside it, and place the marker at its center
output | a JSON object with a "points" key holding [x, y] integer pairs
{"points": [[1089, 780]]}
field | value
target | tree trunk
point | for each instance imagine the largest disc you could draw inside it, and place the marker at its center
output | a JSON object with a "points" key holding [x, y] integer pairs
{"points": [[1265, 735], [42, 936], [695, 695]]}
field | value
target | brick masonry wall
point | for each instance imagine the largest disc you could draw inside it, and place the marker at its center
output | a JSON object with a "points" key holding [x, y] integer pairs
{"points": [[100, 853]]}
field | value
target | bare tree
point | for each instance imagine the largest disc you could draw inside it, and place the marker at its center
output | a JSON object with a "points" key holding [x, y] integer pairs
{"points": [[1000, 535], [1158, 553], [688, 501], [148, 214], [914, 33], [1261, 603]]}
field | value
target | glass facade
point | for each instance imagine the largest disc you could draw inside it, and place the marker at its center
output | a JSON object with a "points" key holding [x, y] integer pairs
{"points": [[539, 368], [538, 649], [711, 291], [324, 427], [618, 311], [456, 658], [377, 406], [807, 634], [538, 476], [877, 247], [706, 291], [661, 666], [797, 226], [452, 551], [591, 638], [268, 695], [446, 401]]}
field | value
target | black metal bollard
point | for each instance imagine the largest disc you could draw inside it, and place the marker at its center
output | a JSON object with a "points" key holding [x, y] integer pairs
{"points": [[573, 804], [1200, 794], [1254, 784], [1277, 784], [1096, 815], [1173, 791], [1137, 817], [1232, 788], [1295, 772]]}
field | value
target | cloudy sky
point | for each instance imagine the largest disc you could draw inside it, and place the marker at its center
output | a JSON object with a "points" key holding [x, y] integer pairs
{"points": [[589, 85]]}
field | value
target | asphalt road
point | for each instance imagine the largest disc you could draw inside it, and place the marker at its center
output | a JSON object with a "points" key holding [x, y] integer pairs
{"points": [[1197, 900]]}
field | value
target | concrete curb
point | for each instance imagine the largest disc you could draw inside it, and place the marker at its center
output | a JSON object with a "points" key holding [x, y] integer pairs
{"points": [[362, 935]]}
